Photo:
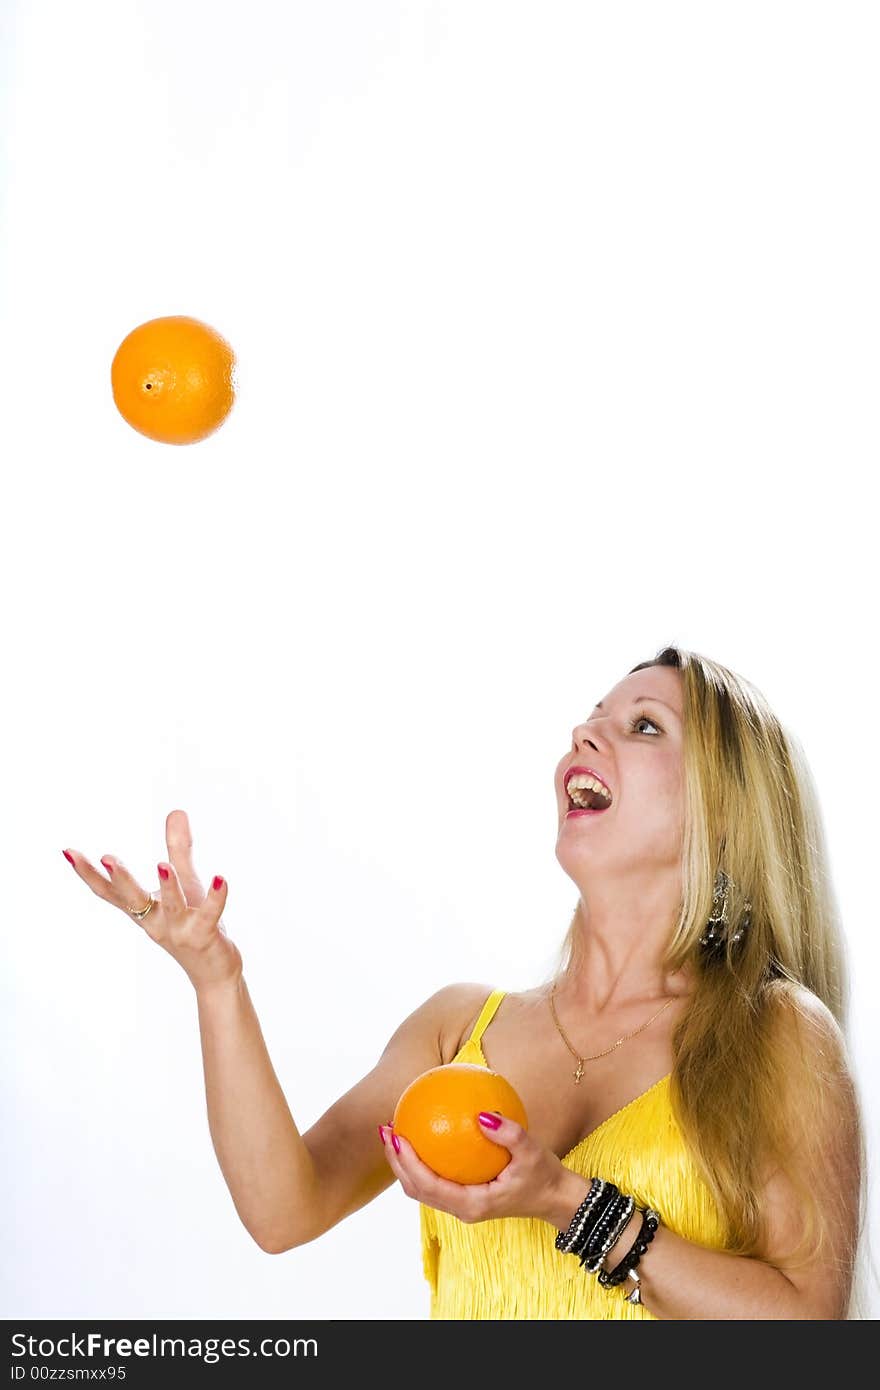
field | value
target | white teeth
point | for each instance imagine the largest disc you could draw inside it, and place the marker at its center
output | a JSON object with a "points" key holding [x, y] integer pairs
{"points": [[581, 782]]}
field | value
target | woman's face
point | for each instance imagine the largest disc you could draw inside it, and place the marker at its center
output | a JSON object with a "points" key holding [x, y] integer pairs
{"points": [[635, 746]]}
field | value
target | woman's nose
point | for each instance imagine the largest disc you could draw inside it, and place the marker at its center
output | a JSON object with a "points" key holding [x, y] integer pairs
{"points": [[583, 734]]}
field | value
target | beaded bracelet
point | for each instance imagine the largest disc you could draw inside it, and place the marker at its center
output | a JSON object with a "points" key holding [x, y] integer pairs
{"points": [[650, 1222], [596, 1227], [582, 1217], [599, 1214], [565, 1237], [604, 1223], [592, 1263], [603, 1213], [597, 1211]]}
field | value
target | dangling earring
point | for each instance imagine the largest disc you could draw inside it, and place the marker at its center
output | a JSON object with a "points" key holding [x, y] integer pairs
{"points": [[717, 925]]}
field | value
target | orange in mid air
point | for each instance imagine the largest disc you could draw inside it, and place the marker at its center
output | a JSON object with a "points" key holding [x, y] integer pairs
{"points": [[173, 379], [437, 1113]]}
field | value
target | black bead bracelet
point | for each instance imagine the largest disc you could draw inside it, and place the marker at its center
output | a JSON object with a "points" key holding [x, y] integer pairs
{"points": [[603, 1215], [583, 1217], [593, 1258], [604, 1222], [597, 1214], [650, 1222], [596, 1227]]}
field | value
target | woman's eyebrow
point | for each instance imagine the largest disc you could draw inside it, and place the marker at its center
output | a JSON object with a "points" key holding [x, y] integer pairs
{"points": [[640, 700]]}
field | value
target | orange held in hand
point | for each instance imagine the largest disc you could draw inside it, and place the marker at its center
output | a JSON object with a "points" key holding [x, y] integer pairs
{"points": [[173, 379], [437, 1113]]}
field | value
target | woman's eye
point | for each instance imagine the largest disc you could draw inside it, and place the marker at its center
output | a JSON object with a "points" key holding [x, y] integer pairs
{"points": [[643, 719]]}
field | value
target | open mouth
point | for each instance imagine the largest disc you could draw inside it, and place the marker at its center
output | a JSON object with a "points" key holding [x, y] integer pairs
{"points": [[587, 792], [587, 799], [576, 809]]}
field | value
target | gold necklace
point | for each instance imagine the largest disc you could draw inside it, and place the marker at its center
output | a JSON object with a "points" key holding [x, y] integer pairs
{"points": [[580, 1060]]}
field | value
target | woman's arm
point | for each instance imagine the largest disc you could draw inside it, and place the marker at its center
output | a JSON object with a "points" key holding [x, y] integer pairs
{"points": [[267, 1167], [680, 1279], [289, 1188]]}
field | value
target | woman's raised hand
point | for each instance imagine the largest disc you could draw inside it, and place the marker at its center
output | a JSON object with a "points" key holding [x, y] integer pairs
{"points": [[185, 921]]}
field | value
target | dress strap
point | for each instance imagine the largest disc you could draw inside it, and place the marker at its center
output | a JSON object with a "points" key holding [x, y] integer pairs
{"points": [[486, 1014]]}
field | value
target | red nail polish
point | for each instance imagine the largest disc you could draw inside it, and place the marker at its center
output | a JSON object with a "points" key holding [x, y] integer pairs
{"points": [[492, 1121], [381, 1134], [163, 872], [107, 866], [396, 1142], [69, 857], [217, 884]]}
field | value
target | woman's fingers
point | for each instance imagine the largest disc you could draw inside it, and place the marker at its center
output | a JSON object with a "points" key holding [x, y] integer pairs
{"points": [[129, 894], [189, 927], [466, 1201], [178, 838], [194, 935], [171, 895], [89, 874], [120, 889]]}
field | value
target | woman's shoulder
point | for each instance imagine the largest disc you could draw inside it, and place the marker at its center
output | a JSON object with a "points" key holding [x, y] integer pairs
{"points": [[801, 1013], [807, 1033], [460, 1006]]}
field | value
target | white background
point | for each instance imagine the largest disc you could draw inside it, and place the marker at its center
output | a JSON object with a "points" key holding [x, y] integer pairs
{"points": [[556, 329]]}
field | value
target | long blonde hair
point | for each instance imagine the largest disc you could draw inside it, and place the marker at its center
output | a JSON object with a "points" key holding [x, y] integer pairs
{"points": [[751, 810]]}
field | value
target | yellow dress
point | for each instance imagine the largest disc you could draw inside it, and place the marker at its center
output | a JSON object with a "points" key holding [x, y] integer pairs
{"points": [[509, 1267]]}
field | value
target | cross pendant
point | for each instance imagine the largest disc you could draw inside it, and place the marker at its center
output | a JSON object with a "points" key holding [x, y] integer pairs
{"points": [[579, 1073]]}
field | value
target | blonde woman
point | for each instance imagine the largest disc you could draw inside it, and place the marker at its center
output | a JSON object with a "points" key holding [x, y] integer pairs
{"points": [[684, 1069]]}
